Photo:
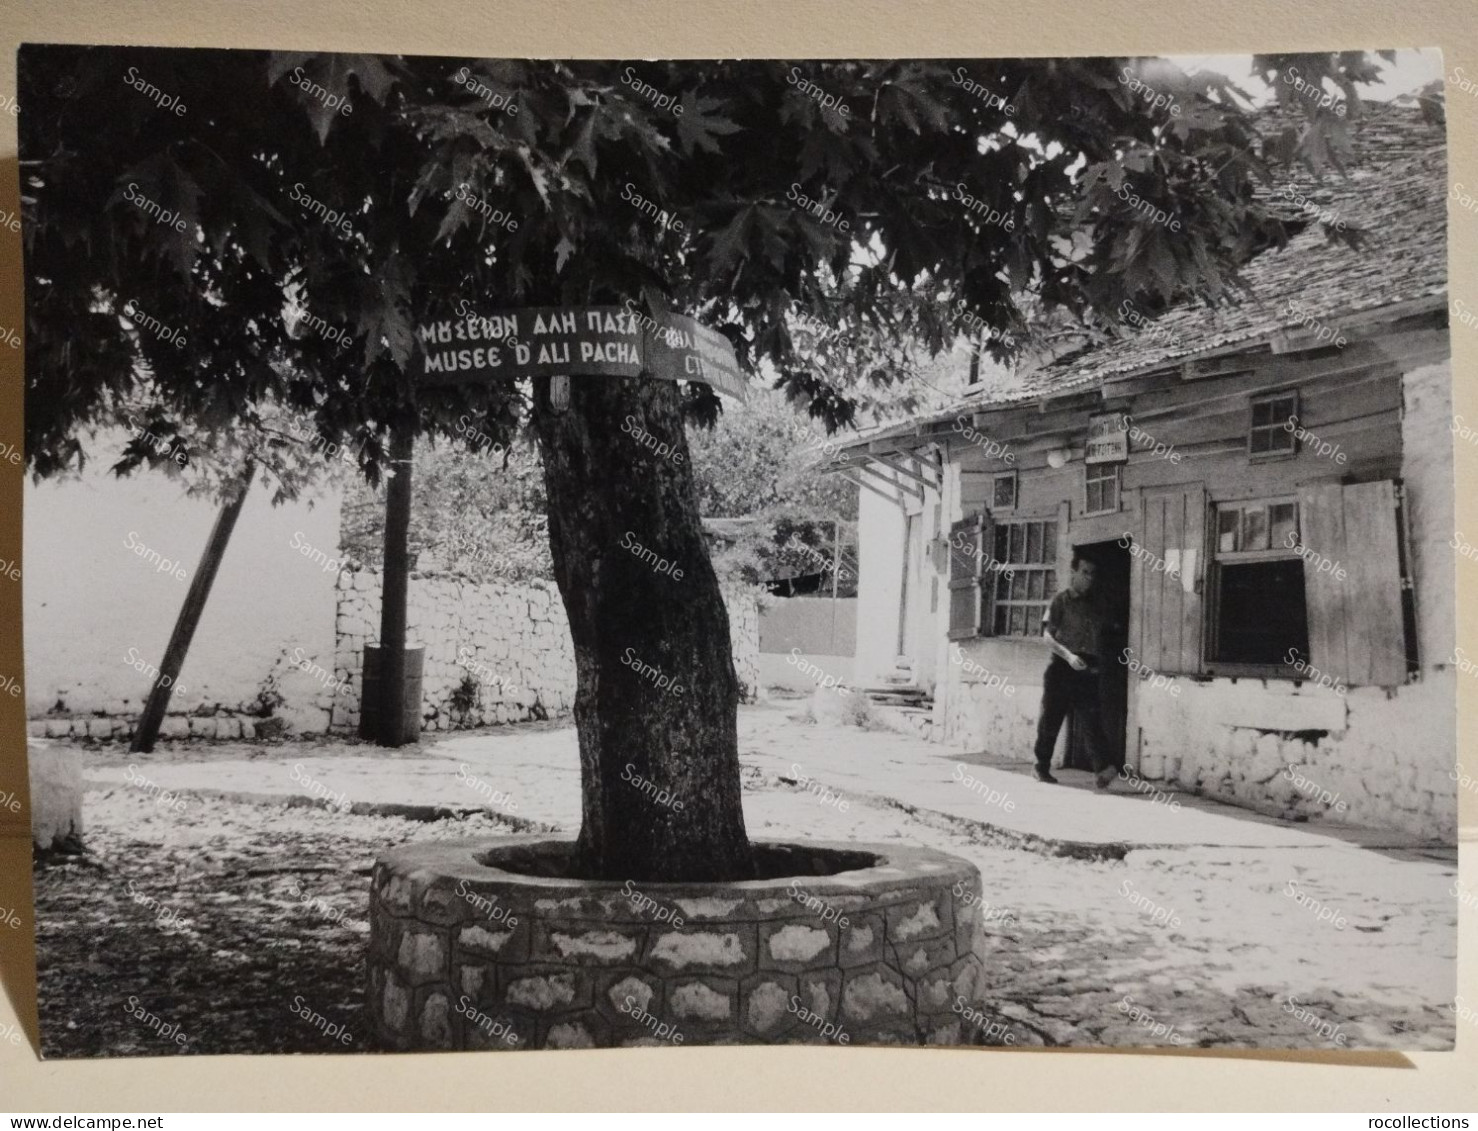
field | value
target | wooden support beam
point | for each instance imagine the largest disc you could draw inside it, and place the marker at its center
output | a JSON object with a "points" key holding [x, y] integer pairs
{"points": [[852, 477], [903, 469], [896, 484]]}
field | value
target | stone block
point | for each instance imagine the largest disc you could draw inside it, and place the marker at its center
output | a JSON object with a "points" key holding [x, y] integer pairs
{"points": [[796, 946], [443, 906], [920, 919], [436, 1022], [490, 939], [861, 942], [422, 956], [700, 1000], [699, 951], [874, 996], [569, 1035], [764, 1002], [915, 959], [967, 977], [395, 1004], [395, 894], [547, 991], [617, 995], [616, 945], [821, 992], [472, 978]]}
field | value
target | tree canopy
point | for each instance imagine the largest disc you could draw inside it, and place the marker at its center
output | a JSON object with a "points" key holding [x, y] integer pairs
{"points": [[238, 229]]}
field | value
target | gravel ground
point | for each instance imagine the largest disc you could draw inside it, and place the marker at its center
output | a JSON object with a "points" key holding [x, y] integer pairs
{"points": [[234, 920]]}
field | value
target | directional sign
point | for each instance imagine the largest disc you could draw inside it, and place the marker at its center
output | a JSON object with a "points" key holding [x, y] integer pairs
{"points": [[581, 341]]}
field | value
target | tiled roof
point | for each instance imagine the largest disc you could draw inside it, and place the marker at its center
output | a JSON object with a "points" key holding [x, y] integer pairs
{"points": [[1395, 189]]}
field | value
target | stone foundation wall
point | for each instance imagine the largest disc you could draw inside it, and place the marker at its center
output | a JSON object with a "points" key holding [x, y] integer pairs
{"points": [[494, 653], [466, 955]]}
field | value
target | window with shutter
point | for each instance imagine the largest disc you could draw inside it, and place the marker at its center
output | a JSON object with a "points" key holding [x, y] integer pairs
{"points": [[1258, 589]]}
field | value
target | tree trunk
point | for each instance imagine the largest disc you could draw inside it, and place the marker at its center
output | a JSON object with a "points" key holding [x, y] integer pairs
{"points": [[657, 698], [189, 619]]}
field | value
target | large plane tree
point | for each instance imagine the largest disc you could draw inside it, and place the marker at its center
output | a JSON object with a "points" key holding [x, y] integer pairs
{"points": [[289, 220]]}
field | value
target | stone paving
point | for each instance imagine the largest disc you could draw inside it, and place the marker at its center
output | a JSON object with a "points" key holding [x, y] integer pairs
{"points": [[1112, 919]]}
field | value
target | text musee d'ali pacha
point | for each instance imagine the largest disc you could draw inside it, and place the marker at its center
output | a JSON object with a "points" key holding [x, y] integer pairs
{"points": [[582, 341]]}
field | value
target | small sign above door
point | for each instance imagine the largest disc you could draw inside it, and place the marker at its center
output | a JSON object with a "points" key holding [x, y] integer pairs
{"points": [[1108, 439]]}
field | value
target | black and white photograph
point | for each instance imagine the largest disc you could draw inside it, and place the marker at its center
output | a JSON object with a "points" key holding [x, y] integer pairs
{"points": [[538, 553]]}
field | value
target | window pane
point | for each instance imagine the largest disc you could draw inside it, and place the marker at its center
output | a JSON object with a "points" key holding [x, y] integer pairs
{"points": [[1049, 585], [1091, 502], [1018, 543], [1034, 542], [1005, 491], [1111, 493], [1262, 613], [1261, 440], [1002, 534], [1282, 522], [1049, 541], [1255, 528], [1262, 413], [1000, 626], [1227, 524], [1019, 617], [1034, 585], [1283, 408]]}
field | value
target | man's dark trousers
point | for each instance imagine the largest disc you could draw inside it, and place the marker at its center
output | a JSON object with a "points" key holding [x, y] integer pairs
{"points": [[1065, 690]]}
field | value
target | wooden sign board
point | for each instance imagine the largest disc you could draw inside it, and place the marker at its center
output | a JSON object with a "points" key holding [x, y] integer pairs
{"points": [[1108, 440], [581, 341]]}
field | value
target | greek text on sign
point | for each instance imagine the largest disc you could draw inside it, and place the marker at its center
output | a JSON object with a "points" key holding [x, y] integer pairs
{"points": [[602, 341], [1108, 440]]}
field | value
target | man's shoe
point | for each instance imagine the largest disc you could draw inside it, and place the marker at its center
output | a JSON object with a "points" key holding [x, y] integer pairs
{"points": [[1046, 776], [1105, 777]]}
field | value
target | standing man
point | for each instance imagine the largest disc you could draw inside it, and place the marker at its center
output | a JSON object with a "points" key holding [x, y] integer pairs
{"points": [[1074, 626]]}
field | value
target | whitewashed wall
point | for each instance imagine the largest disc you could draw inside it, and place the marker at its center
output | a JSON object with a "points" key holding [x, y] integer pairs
{"points": [[89, 598]]}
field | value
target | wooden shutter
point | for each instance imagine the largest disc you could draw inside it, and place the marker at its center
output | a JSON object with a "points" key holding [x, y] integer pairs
{"points": [[964, 576], [1356, 629], [1170, 609]]}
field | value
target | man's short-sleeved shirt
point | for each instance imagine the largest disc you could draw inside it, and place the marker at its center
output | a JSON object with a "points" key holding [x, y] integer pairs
{"points": [[1075, 622]]}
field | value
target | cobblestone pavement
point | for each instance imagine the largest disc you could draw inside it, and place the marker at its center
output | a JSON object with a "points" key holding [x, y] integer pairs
{"points": [[1148, 927]]}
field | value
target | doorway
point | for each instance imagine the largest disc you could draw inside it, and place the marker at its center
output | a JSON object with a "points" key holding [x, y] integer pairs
{"points": [[1111, 589]]}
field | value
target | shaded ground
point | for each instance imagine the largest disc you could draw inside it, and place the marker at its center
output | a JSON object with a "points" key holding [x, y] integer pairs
{"points": [[271, 896]]}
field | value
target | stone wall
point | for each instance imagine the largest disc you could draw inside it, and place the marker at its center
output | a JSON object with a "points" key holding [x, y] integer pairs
{"points": [[494, 653], [467, 954]]}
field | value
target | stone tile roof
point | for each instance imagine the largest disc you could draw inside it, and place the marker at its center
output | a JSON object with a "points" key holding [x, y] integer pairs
{"points": [[1395, 189]]}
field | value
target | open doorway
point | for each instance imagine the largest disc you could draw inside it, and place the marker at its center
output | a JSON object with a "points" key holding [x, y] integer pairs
{"points": [[1111, 589]]}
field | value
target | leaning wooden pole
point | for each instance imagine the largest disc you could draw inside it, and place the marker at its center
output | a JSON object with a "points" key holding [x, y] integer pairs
{"points": [[395, 587], [189, 618]]}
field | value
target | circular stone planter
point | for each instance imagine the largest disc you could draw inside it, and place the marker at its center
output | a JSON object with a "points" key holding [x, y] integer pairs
{"points": [[483, 944]]}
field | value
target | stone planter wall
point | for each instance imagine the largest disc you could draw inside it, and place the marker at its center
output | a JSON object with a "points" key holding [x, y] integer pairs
{"points": [[467, 955], [508, 644]]}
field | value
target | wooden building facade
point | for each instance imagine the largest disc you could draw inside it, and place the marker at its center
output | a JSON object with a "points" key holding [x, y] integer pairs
{"points": [[1267, 493]]}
